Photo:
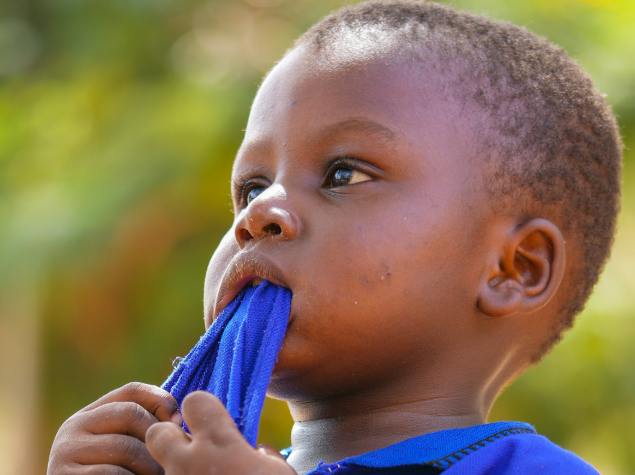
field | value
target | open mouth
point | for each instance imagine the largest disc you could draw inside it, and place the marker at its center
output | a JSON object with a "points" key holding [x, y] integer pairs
{"points": [[246, 270]]}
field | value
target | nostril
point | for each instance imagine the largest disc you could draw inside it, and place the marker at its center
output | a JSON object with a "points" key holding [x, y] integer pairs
{"points": [[272, 228], [245, 235]]}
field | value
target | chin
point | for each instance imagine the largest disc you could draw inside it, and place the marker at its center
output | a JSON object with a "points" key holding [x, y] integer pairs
{"points": [[301, 377], [286, 379], [294, 388], [295, 376]]}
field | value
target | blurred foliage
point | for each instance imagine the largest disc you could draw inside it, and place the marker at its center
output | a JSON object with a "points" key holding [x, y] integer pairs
{"points": [[119, 120]]}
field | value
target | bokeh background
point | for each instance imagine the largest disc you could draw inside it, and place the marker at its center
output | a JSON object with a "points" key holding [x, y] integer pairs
{"points": [[119, 120]]}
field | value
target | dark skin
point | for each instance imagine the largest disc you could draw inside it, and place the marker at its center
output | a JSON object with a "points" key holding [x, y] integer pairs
{"points": [[357, 186]]}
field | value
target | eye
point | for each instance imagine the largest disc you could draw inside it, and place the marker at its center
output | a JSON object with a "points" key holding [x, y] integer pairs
{"points": [[343, 176], [253, 192]]}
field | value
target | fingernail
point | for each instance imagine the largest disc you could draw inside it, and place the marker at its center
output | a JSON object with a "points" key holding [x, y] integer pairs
{"points": [[177, 418]]}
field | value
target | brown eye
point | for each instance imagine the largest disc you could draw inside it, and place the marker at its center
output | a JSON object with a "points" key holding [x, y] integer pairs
{"points": [[341, 177], [347, 176], [253, 193]]}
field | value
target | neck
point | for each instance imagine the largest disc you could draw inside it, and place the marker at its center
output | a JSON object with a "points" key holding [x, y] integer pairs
{"points": [[332, 435]]}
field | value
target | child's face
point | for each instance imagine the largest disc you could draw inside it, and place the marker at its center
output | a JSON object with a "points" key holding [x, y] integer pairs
{"points": [[363, 201]]}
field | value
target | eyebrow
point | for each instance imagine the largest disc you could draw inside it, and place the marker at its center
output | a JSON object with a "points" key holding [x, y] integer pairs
{"points": [[363, 125], [367, 127]]}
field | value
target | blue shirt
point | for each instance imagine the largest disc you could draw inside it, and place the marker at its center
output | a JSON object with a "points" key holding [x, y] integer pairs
{"points": [[493, 449]]}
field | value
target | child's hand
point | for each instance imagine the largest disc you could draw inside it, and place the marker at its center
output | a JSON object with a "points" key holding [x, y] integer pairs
{"points": [[108, 436], [215, 446]]}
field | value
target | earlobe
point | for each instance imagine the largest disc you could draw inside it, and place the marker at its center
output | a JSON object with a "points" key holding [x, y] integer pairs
{"points": [[527, 271]]}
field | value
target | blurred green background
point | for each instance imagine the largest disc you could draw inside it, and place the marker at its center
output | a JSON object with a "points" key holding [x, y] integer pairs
{"points": [[119, 120]]}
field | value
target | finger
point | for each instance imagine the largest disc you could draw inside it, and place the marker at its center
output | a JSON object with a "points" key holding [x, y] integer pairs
{"points": [[77, 469], [270, 451], [126, 418], [102, 470], [206, 415], [118, 450], [155, 400], [165, 439]]}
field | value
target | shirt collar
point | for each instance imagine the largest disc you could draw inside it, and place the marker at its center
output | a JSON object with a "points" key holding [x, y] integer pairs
{"points": [[439, 449]]}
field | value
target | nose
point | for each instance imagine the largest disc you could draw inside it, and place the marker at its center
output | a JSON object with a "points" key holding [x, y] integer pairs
{"points": [[269, 215]]}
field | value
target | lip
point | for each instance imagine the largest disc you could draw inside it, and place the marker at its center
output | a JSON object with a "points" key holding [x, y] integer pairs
{"points": [[244, 268]]}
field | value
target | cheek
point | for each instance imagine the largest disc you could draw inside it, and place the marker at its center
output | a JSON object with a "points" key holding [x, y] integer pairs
{"points": [[346, 265], [372, 255], [387, 283], [357, 283], [218, 264]]}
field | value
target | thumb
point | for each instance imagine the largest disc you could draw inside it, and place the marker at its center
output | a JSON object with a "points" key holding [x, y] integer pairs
{"points": [[269, 450], [206, 415]]}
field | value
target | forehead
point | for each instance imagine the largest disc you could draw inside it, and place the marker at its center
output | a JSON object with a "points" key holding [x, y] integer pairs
{"points": [[307, 99], [323, 92]]}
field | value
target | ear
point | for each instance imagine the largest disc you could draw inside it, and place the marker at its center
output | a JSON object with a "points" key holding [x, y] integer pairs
{"points": [[527, 271]]}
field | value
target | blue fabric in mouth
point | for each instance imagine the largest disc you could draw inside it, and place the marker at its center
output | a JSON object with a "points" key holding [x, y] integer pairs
{"points": [[234, 359]]}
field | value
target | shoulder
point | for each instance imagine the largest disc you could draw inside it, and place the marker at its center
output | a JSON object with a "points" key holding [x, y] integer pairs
{"points": [[520, 454]]}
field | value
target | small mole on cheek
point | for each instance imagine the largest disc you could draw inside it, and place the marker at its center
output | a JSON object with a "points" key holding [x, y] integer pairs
{"points": [[292, 104]]}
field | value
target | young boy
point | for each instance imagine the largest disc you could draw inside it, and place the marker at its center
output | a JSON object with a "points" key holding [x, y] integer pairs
{"points": [[439, 192]]}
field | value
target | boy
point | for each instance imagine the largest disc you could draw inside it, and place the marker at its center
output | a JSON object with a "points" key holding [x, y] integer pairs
{"points": [[439, 192]]}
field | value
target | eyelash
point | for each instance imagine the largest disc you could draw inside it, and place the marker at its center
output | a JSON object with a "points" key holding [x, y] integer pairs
{"points": [[342, 162], [245, 185]]}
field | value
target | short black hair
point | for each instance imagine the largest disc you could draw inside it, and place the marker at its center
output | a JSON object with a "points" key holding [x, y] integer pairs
{"points": [[551, 138]]}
